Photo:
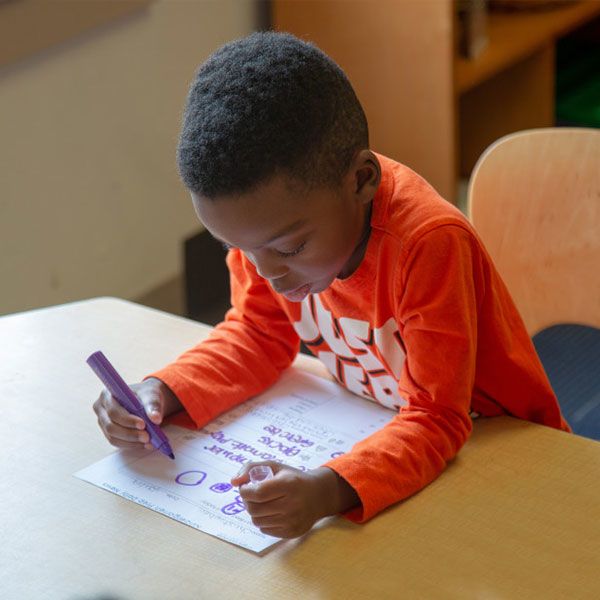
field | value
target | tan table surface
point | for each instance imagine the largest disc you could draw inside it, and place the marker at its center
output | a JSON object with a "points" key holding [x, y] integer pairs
{"points": [[515, 515]]}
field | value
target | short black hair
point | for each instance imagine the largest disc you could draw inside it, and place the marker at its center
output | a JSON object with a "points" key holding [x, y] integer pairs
{"points": [[266, 104]]}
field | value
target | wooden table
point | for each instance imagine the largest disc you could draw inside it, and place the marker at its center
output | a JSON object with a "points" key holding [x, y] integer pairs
{"points": [[516, 515]]}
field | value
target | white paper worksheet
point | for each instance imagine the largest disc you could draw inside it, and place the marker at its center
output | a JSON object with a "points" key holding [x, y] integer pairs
{"points": [[302, 421]]}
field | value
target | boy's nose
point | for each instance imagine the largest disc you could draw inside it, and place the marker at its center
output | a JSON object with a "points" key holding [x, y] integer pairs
{"points": [[268, 267]]}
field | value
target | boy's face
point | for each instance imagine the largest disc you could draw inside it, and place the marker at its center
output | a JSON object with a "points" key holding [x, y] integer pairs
{"points": [[299, 239]]}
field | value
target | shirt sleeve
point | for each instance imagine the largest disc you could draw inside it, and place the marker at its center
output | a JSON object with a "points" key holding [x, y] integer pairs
{"points": [[243, 356], [438, 286]]}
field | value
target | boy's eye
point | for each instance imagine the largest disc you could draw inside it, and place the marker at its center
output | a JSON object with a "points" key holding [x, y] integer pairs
{"points": [[285, 254], [293, 252]]}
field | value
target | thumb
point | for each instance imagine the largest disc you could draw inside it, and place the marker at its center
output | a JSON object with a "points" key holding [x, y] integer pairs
{"points": [[260, 471], [151, 401]]}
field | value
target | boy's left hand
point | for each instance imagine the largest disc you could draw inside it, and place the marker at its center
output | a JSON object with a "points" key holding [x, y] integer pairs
{"points": [[291, 502]]}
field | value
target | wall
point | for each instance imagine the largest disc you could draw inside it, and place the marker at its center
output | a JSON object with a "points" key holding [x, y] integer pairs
{"points": [[90, 201]]}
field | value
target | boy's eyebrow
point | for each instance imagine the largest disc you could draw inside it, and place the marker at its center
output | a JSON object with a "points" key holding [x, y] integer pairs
{"points": [[286, 230]]}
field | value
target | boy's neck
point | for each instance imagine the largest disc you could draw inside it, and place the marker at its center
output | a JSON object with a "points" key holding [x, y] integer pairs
{"points": [[359, 252]]}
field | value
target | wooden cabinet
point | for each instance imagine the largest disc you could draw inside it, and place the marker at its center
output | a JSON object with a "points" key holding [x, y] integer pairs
{"points": [[428, 107]]}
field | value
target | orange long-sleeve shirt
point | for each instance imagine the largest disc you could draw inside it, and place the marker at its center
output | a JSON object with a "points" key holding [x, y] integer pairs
{"points": [[424, 326]]}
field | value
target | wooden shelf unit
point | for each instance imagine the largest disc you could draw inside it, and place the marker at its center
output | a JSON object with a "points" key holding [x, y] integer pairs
{"points": [[514, 35], [426, 106]]}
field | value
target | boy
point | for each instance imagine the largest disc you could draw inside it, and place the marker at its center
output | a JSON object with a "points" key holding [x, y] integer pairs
{"points": [[352, 253]]}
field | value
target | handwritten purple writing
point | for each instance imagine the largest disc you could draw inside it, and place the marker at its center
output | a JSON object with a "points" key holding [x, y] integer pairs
{"points": [[220, 437], [190, 478], [294, 438], [234, 508], [220, 488], [279, 446], [235, 457]]}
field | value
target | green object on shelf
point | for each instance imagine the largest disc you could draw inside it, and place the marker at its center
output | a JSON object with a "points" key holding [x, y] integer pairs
{"points": [[578, 85], [580, 105]]}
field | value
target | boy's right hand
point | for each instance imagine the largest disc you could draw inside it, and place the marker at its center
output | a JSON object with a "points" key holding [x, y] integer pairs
{"points": [[124, 430]]}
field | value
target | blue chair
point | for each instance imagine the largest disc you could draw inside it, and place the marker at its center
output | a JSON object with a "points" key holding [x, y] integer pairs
{"points": [[534, 198]]}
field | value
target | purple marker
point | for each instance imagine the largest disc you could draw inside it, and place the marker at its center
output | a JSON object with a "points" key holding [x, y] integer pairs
{"points": [[128, 400]]}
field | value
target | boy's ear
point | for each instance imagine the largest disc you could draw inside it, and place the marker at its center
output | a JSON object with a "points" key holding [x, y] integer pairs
{"points": [[367, 175]]}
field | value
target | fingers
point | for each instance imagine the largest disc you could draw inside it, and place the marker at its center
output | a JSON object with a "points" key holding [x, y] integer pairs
{"points": [[271, 518], [108, 405], [243, 476], [283, 482], [270, 522], [265, 491], [287, 505], [120, 427], [123, 437], [269, 509], [281, 525], [123, 429]]}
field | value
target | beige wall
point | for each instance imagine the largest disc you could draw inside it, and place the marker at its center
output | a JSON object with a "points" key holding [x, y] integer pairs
{"points": [[90, 201]]}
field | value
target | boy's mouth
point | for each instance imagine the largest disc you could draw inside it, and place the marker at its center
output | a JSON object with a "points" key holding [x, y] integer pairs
{"points": [[298, 294]]}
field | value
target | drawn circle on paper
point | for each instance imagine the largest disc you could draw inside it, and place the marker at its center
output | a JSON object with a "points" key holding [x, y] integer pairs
{"points": [[190, 478]]}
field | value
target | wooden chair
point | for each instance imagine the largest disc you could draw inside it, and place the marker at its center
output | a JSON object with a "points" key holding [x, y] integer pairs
{"points": [[534, 198]]}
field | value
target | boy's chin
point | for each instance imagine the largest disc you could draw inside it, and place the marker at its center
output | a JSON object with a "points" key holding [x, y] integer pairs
{"points": [[321, 286]]}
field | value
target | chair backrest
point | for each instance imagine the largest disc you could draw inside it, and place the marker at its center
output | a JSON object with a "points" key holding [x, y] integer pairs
{"points": [[534, 198]]}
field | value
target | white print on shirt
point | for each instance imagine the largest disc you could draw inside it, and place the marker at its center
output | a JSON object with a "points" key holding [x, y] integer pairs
{"points": [[351, 350]]}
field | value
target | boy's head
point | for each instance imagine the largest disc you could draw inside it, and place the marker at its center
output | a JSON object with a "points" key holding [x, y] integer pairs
{"points": [[266, 104], [274, 149]]}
